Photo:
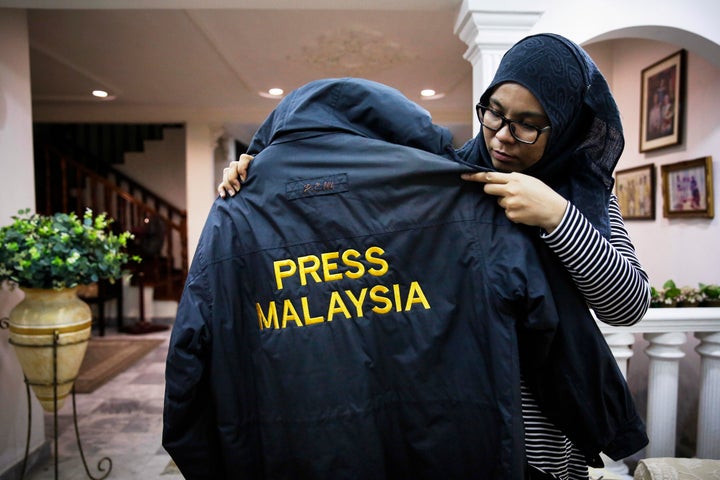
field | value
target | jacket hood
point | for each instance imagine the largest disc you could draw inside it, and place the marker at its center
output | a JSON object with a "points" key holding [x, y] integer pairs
{"points": [[356, 106]]}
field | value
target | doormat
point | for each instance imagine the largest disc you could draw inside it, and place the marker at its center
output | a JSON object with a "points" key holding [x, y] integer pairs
{"points": [[140, 328], [107, 357]]}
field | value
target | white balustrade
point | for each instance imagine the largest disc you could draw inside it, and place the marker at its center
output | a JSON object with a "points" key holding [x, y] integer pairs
{"points": [[666, 330]]}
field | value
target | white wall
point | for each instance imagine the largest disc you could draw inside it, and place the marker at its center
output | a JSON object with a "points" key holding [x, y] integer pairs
{"points": [[693, 22], [685, 250], [200, 149], [161, 166], [18, 192]]}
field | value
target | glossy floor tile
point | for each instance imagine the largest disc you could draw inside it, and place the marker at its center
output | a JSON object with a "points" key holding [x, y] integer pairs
{"points": [[121, 420]]}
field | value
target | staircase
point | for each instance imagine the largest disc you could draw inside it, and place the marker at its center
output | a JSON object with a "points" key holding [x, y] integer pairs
{"points": [[74, 171]]}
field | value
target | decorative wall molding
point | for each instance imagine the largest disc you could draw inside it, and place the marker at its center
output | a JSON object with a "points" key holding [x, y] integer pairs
{"points": [[353, 52]]}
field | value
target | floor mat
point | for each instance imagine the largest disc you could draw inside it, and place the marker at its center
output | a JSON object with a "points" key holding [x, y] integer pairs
{"points": [[107, 357]]}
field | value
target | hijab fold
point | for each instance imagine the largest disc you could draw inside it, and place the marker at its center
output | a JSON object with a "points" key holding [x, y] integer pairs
{"points": [[586, 139]]}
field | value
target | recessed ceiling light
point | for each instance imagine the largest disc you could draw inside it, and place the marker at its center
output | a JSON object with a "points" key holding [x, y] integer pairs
{"points": [[430, 94], [274, 93], [100, 93]]}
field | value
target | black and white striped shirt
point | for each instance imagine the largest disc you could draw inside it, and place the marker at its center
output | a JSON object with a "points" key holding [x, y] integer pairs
{"points": [[610, 277]]}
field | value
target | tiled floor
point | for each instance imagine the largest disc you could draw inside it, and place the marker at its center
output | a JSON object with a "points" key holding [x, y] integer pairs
{"points": [[121, 420]]}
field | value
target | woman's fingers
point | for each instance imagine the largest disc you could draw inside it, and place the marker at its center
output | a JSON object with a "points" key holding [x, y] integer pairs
{"points": [[230, 184], [242, 165], [233, 175]]}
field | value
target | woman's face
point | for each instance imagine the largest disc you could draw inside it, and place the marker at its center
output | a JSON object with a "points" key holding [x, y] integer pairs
{"points": [[515, 102]]}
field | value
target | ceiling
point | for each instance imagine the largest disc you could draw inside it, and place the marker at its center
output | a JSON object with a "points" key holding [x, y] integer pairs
{"points": [[215, 64]]}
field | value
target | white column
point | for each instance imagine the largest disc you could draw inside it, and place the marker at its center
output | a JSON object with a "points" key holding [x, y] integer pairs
{"points": [[489, 31], [620, 344], [17, 185], [665, 352], [708, 432], [200, 143]]}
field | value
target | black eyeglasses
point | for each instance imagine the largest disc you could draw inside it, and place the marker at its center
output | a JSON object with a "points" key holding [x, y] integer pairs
{"points": [[522, 132]]}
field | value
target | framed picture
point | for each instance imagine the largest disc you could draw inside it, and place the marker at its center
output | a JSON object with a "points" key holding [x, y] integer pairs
{"points": [[688, 188], [635, 189], [662, 100]]}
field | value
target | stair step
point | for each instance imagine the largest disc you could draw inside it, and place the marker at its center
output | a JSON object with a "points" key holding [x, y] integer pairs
{"points": [[89, 183]]}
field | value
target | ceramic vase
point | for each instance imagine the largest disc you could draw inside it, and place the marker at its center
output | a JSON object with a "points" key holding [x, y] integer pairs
{"points": [[49, 330]]}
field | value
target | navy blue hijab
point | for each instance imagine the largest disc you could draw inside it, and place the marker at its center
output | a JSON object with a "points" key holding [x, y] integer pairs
{"points": [[586, 139]]}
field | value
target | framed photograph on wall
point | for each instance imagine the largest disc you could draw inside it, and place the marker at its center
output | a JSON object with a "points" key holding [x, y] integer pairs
{"points": [[662, 101], [688, 188], [635, 190]]}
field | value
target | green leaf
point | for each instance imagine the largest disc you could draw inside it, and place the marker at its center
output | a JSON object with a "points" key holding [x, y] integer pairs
{"points": [[61, 250]]}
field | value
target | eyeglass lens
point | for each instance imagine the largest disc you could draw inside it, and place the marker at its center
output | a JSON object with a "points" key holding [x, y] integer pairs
{"points": [[494, 121]]}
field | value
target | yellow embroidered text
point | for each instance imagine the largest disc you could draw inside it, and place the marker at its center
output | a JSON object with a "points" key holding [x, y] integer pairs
{"points": [[333, 266]]}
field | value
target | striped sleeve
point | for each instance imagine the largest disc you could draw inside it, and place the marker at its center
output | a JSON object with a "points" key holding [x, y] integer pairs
{"points": [[607, 273]]}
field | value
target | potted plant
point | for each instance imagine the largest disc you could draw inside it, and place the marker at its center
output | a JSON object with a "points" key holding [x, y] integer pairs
{"points": [[48, 257], [711, 295], [689, 297], [665, 297]]}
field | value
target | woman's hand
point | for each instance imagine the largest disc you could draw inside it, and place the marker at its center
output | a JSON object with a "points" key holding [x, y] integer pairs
{"points": [[525, 199], [233, 175]]}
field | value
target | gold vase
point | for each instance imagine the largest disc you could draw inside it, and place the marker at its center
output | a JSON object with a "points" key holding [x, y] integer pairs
{"points": [[49, 330]]}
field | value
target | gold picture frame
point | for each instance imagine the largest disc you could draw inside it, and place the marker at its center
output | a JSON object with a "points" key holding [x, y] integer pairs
{"points": [[662, 102], [688, 188], [635, 190]]}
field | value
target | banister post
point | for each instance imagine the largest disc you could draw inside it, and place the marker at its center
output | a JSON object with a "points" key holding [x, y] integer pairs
{"points": [[620, 343], [665, 352], [708, 431]]}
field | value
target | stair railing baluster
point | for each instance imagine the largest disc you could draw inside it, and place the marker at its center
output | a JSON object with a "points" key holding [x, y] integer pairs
{"points": [[79, 192], [63, 184]]}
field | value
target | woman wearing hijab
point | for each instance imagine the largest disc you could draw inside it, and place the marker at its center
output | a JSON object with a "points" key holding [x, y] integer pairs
{"points": [[549, 114]]}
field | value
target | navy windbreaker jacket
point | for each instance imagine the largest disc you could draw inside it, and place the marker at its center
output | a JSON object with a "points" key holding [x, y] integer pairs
{"points": [[357, 311]]}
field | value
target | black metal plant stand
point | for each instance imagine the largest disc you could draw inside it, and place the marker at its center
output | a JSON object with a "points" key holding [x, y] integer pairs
{"points": [[104, 462]]}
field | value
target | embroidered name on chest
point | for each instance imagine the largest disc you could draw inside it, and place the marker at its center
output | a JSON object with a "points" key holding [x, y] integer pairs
{"points": [[311, 187]]}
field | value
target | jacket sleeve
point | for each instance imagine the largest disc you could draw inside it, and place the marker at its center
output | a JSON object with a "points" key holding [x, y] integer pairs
{"points": [[189, 433]]}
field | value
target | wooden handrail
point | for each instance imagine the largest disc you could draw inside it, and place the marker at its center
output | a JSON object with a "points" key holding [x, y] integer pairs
{"points": [[73, 186], [134, 185]]}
